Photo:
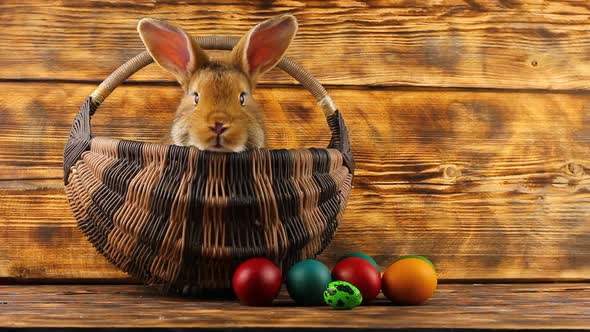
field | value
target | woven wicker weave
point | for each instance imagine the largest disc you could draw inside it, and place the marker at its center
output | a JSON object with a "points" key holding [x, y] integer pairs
{"points": [[184, 218]]}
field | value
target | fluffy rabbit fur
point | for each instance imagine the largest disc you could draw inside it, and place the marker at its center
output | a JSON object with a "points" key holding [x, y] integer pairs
{"points": [[217, 111]]}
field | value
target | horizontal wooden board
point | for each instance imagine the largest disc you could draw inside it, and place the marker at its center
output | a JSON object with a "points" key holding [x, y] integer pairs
{"points": [[471, 236], [524, 44], [453, 307], [445, 139], [489, 185], [44, 249]]}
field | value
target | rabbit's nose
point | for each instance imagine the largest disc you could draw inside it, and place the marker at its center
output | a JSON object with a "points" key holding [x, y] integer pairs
{"points": [[219, 128]]}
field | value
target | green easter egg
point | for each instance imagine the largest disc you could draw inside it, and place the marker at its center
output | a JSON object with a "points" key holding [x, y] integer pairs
{"points": [[415, 256], [306, 282], [363, 256], [342, 295]]}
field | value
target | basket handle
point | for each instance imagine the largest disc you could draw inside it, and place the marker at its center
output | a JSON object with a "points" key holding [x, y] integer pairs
{"points": [[80, 134], [215, 43]]}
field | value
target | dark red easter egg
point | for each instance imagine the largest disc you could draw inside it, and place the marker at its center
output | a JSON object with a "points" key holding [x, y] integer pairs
{"points": [[257, 281], [361, 274]]}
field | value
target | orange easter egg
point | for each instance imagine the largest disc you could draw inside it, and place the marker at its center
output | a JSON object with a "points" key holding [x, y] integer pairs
{"points": [[409, 281]]}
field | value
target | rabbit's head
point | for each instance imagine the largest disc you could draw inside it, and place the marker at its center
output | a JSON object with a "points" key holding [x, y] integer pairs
{"points": [[217, 111]]}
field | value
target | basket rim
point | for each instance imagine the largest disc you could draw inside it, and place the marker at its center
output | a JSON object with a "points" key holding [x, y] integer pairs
{"points": [[208, 152]]}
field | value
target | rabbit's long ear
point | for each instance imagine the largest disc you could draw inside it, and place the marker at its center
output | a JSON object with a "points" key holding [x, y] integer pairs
{"points": [[172, 49], [264, 46]]}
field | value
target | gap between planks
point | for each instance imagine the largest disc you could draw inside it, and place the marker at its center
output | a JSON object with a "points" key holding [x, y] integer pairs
{"points": [[371, 87]]}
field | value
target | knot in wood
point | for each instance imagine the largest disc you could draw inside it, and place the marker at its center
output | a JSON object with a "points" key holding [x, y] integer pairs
{"points": [[451, 171], [574, 169]]}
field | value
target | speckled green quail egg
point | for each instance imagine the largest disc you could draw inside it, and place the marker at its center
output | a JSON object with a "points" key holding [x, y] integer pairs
{"points": [[342, 295]]}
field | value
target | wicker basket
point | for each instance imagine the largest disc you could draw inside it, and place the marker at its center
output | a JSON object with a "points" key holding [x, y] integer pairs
{"points": [[184, 218]]}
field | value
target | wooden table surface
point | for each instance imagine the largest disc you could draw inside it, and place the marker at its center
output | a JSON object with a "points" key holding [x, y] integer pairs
{"points": [[472, 306]]}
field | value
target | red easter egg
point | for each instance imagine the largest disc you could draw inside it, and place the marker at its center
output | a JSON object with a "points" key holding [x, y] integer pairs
{"points": [[361, 274], [257, 281]]}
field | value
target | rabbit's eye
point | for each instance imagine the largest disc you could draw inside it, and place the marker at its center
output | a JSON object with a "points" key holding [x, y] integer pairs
{"points": [[196, 98], [242, 98]]}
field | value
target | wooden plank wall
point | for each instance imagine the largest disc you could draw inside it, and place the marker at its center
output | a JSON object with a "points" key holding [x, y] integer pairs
{"points": [[470, 123]]}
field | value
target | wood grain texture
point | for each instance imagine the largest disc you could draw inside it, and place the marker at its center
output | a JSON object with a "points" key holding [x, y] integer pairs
{"points": [[49, 250], [486, 307], [399, 136], [489, 185], [453, 43], [502, 239]]}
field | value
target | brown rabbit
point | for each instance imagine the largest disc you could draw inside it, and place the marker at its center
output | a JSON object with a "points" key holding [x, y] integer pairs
{"points": [[217, 111]]}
